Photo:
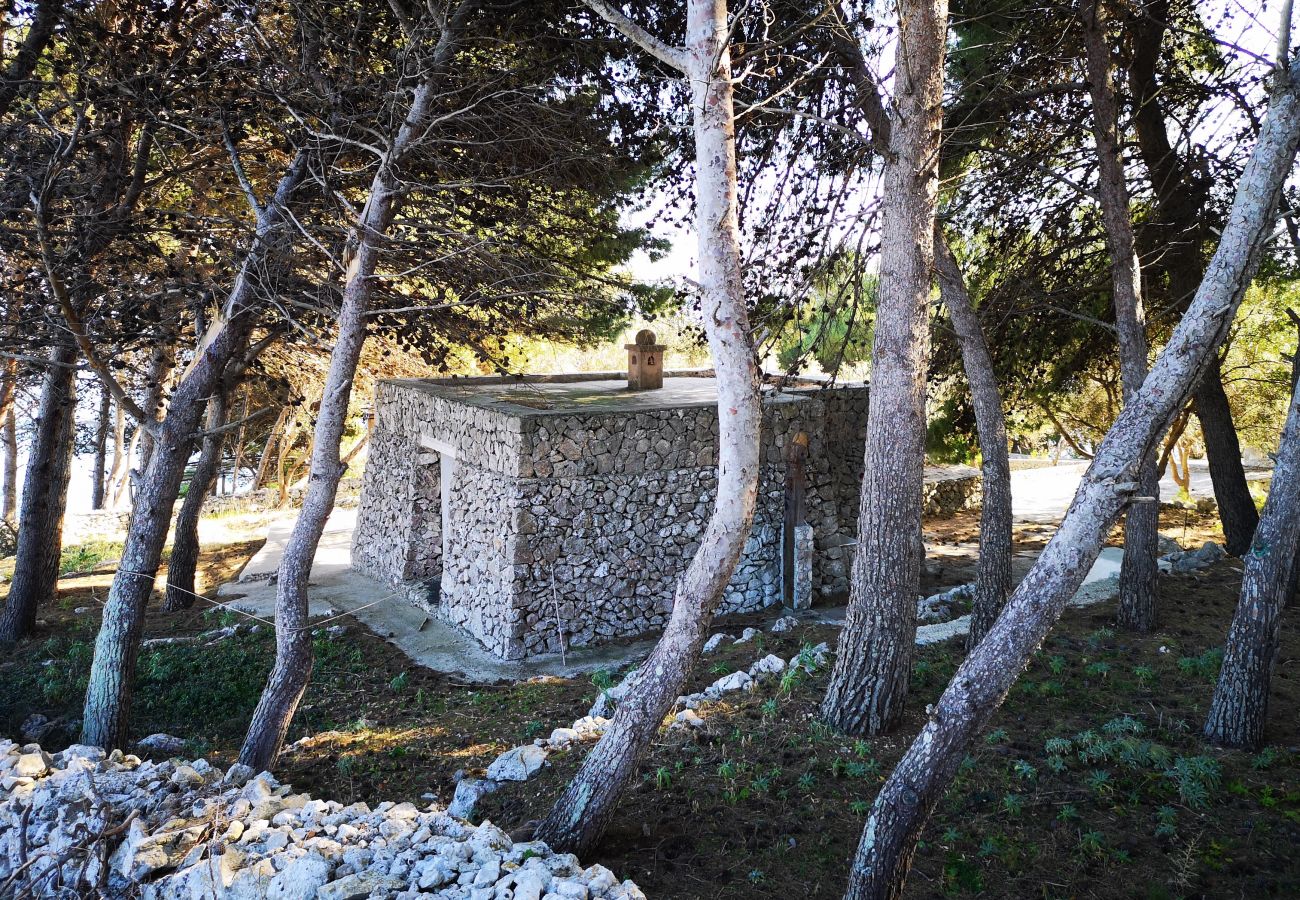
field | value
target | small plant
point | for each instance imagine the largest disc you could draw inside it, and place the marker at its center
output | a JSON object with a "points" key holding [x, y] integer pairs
{"points": [[1123, 725], [951, 835], [399, 682], [663, 778], [859, 807], [1144, 674], [1057, 764], [1098, 669], [603, 679], [790, 680], [1092, 842], [996, 736], [720, 668], [1067, 813], [1195, 776], [1057, 746], [769, 708], [1264, 759], [533, 729], [1101, 636], [1056, 664], [1099, 781], [1013, 804], [727, 770], [807, 781], [756, 876], [1024, 770], [1165, 819], [1205, 666], [861, 749]]}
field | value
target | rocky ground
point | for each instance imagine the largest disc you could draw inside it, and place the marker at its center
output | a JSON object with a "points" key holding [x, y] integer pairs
{"points": [[79, 823]]}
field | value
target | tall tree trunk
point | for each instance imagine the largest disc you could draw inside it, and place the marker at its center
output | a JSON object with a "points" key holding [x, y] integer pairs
{"points": [[982, 681], [123, 483], [9, 505], [121, 454], [1238, 711], [101, 451], [993, 577], [585, 809], [1181, 195], [161, 361], [184, 560], [293, 659], [1237, 511], [240, 435], [869, 684], [108, 694], [45, 497], [1139, 572]]}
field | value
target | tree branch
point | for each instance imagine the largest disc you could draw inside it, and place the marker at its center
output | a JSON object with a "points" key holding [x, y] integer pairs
{"points": [[671, 56]]}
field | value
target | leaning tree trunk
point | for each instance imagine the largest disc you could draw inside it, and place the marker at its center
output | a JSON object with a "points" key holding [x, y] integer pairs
{"points": [[1237, 512], [1139, 572], [293, 658], [101, 452], [108, 694], [993, 577], [873, 665], [585, 809], [184, 560], [264, 463], [45, 498], [1238, 710], [982, 681]]}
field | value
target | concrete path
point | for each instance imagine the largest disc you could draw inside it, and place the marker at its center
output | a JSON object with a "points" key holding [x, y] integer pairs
{"points": [[337, 590], [1042, 495]]}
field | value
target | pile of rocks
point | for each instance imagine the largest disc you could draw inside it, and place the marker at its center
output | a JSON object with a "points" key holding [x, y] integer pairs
{"points": [[79, 823], [945, 605], [1185, 562]]}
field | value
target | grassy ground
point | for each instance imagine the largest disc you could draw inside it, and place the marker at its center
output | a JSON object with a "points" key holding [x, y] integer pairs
{"points": [[1090, 782]]}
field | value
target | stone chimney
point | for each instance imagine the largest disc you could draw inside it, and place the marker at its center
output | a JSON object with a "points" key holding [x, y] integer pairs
{"points": [[645, 362]]}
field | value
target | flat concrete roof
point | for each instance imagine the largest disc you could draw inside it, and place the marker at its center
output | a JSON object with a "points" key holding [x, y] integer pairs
{"points": [[602, 392]]}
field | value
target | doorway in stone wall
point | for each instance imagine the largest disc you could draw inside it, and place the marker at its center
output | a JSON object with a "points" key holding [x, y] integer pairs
{"points": [[424, 552]]}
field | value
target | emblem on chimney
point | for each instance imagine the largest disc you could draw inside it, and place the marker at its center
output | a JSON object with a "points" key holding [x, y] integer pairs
{"points": [[645, 362]]}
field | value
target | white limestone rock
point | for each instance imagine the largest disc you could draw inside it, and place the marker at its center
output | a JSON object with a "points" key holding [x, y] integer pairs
{"points": [[517, 764]]}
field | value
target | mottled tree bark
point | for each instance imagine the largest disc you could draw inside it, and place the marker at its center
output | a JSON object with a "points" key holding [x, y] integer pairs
{"points": [[1181, 194], [293, 657], [873, 664], [1139, 572], [184, 559], [161, 361], [97, 473], [982, 681], [108, 694], [45, 497], [1238, 711], [585, 809], [993, 576], [264, 462]]}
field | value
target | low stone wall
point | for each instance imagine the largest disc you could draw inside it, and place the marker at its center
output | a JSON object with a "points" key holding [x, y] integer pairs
{"points": [[951, 489], [80, 824]]}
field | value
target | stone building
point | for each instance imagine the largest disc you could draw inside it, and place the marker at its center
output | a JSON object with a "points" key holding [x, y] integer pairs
{"points": [[544, 512]]}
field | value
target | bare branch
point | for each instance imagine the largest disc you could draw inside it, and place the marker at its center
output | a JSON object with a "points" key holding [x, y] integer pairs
{"points": [[672, 56]]}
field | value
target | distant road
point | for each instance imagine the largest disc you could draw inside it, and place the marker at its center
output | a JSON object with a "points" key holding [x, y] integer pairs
{"points": [[1042, 495]]}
